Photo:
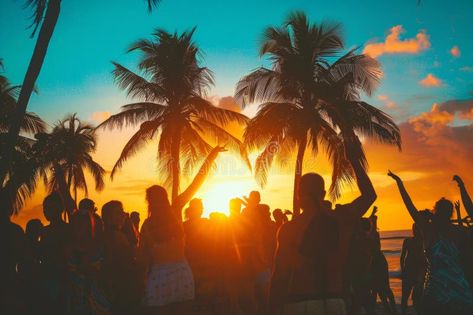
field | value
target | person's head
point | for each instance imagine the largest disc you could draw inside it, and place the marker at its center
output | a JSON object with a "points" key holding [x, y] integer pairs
{"points": [[33, 229], [195, 209], [87, 205], [157, 198], [6, 209], [52, 207], [113, 215], [135, 218], [278, 216], [254, 198], [311, 191], [234, 207], [443, 210], [264, 212]]}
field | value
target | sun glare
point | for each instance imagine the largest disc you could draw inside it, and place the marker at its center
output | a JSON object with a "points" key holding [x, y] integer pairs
{"points": [[219, 192]]}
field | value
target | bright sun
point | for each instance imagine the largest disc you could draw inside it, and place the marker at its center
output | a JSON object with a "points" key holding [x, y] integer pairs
{"points": [[218, 193]]}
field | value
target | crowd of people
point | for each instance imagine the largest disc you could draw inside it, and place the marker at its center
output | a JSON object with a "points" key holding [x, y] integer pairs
{"points": [[326, 260]]}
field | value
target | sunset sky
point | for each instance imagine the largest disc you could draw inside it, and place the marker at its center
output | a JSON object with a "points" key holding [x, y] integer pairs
{"points": [[426, 52]]}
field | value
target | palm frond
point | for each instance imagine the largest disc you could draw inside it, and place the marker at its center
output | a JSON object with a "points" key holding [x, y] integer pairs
{"points": [[136, 142], [134, 114]]}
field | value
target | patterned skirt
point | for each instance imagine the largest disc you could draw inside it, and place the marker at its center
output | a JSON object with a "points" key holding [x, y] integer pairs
{"points": [[169, 283]]}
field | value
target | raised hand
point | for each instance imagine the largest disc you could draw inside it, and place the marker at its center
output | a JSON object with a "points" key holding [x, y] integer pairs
{"points": [[394, 176], [374, 211], [457, 205], [458, 179]]}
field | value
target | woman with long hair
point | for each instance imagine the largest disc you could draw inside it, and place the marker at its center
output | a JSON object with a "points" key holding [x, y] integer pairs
{"points": [[169, 282]]}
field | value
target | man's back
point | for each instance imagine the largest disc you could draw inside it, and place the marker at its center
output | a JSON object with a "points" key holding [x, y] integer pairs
{"points": [[299, 268]]}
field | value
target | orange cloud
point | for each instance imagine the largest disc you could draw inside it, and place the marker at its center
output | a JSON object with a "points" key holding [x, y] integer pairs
{"points": [[393, 44], [430, 81], [99, 117], [387, 101], [455, 51]]}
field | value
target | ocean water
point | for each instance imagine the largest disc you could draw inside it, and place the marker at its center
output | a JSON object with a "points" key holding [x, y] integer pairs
{"points": [[391, 245]]}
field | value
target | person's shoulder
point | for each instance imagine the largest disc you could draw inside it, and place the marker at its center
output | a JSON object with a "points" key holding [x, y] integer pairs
{"points": [[16, 229]]}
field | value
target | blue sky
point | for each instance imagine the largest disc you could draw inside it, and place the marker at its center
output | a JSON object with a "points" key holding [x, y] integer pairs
{"points": [[76, 74]]}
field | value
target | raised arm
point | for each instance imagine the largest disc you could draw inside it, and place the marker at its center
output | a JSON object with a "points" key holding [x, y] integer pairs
{"points": [[457, 210], [199, 179], [466, 199], [354, 153], [405, 196]]}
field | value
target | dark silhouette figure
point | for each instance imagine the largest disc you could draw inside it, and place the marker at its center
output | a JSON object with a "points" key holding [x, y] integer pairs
{"points": [[12, 249], [135, 221], [360, 267], [119, 274], [170, 287], [197, 251], [251, 202], [412, 270], [87, 253], [279, 218], [313, 247], [31, 267], [446, 289], [380, 269], [54, 253]]}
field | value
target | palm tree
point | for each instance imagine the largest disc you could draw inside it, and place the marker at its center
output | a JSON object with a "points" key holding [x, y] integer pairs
{"points": [[171, 90], [294, 111], [31, 123], [21, 174], [45, 16], [68, 150]]}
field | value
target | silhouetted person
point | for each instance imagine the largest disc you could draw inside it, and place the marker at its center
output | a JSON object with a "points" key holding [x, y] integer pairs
{"points": [[279, 218], [446, 289], [197, 239], [86, 257], [251, 202], [170, 280], [170, 284], [119, 273], [412, 270], [380, 269], [87, 205], [313, 247], [55, 252], [129, 230], [359, 268], [31, 267], [135, 221], [12, 251], [266, 250]]}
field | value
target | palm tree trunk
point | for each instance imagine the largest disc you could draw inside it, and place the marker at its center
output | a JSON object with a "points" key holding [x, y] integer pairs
{"points": [[69, 204], [175, 164], [298, 174], [39, 53]]}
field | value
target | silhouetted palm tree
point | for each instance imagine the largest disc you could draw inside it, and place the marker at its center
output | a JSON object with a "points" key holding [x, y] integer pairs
{"points": [[45, 16], [31, 124], [295, 109], [70, 145], [21, 174], [172, 105]]}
